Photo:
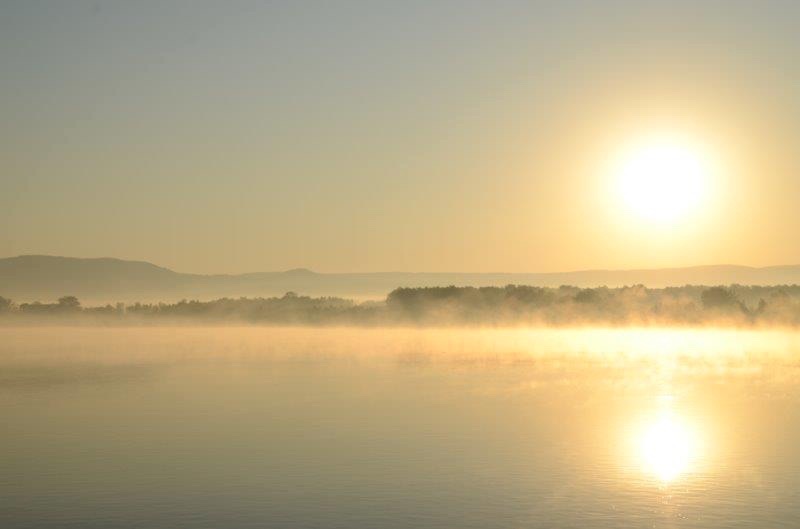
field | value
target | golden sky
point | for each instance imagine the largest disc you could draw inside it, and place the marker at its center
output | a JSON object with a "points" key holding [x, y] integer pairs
{"points": [[353, 136]]}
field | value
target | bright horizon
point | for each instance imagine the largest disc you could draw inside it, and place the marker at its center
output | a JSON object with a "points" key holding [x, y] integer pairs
{"points": [[398, 271], [454, 137]]}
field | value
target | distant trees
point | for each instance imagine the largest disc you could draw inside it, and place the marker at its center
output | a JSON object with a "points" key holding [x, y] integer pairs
{"points": [[69, 303], [571, 305], [466, 304], [719, 298], [290, 308], [65, 305], [6, 305], [452, 305], [724, 301], [587, 295]]}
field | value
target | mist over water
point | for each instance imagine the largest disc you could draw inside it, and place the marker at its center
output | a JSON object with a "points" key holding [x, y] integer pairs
{"points": [[341, 427]]}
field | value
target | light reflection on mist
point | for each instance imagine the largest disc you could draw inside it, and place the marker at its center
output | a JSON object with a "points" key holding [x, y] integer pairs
{"points": [[662, 353]]}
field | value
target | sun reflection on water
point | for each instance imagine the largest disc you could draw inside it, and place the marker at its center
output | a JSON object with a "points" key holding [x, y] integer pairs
{"points": [[668, 446]]}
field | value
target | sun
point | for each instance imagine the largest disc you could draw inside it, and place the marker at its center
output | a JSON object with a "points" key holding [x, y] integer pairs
{"points": [[663, 179]]}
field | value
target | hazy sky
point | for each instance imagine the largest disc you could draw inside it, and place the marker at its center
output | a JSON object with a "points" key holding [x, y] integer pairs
{"points": [[418, 136]]}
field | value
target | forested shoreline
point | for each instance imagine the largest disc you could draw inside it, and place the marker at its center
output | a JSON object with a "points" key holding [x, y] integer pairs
{"points": [[509, 305]]}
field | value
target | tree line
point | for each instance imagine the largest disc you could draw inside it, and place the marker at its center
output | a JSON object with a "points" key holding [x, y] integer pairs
{"points": [[512, 304]]}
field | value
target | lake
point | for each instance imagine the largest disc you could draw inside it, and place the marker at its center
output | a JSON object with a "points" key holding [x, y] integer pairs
{"points": [[238, 427]]}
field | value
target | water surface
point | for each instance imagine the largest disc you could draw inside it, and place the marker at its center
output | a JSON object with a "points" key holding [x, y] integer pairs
{"points": [[384, 428]]}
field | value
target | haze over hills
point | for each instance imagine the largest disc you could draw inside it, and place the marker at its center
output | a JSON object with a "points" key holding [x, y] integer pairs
{"points": [[107, 280]]}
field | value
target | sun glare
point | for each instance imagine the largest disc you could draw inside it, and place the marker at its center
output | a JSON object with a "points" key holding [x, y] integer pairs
{"points": [[663, 179], [667, 448]]}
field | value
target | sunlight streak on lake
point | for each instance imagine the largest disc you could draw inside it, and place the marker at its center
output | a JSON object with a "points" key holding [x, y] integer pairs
{"points": [[391, 428], [668, 446]]}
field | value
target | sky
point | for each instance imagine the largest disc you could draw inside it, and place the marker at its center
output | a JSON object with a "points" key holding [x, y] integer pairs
{"points": [[224, 137]]}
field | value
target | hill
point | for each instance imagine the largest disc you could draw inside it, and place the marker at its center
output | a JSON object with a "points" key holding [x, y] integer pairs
{"points": [[106, 280]]}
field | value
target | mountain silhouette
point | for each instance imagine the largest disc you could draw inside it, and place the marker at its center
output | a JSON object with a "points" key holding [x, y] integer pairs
{"points": [[107, 280]]}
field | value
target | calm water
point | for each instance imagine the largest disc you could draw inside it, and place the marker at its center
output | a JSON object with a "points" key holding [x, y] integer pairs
{"points": [[258, 427]]}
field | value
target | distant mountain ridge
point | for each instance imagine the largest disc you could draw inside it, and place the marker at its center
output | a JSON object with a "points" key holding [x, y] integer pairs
{"points": [[106, 280]]}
